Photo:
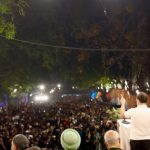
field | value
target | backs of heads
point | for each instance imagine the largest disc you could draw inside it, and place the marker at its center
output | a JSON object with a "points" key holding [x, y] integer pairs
{"points": [[111, 137], [70, 139], [142, 97], [20, 141]]}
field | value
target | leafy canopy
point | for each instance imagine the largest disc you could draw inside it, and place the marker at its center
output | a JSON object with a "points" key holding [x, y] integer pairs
{"points": [[8, 10]]}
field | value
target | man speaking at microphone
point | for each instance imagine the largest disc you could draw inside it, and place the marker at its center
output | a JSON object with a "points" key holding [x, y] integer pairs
{"points": [[140, 122]]}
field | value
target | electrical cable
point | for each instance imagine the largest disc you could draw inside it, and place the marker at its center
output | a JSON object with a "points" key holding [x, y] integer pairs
{"points": [[75, 48]]}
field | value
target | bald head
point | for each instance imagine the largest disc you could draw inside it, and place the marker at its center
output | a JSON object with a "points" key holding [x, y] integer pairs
{"points": [[111, 138]]}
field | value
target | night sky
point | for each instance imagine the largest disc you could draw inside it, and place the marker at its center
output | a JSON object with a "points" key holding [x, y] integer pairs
{"points": [[112, 37]]}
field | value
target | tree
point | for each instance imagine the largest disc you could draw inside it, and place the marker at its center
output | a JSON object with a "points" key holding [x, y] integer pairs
{"points": [[8, 10], [121, 25]]}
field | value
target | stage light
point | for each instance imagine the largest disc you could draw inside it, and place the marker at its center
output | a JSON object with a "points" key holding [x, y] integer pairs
{"points": [[41, 98], [147, 84], [137, 92], [74, 87], [52, 91], [107, 90], [15, 90], [126, 83], [126, 88], [41, 87], [119, 86], [59, 85]]}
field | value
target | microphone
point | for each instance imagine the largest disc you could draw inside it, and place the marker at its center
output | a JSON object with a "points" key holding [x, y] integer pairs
{"points": [[124, 121]]}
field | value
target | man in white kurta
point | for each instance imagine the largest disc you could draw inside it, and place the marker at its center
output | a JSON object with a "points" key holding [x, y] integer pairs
{"points": [[140, 122]]}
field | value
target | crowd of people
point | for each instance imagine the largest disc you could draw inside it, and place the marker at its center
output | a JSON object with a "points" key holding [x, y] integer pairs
{"points": [[72, 124], [43, 123]]}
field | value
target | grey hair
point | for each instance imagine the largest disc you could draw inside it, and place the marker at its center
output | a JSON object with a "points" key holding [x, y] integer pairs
{"points": [[111, 137], [20, 141]]}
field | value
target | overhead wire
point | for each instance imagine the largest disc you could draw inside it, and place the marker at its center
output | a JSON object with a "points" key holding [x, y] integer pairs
{"points": [[74, 48], [78, 48]]}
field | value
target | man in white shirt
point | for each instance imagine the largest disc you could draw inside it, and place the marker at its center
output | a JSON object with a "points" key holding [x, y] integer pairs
{"points": [[140, 122]]}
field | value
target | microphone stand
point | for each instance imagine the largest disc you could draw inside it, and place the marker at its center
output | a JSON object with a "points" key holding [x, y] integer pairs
{"points": [[124, 121]]}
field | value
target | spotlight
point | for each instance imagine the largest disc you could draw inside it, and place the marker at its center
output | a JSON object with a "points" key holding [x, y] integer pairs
{"points": [[41, 98], [137, 92], [119, 86], [52, 91], [41, 87], [59, 85], [15, 90]]}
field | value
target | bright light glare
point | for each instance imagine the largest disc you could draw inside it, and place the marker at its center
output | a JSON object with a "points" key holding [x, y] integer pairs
{"points": [[41, 87], [15, 90], [41, 98], [147, 84], [137, 92], [119, 86], [52, 91], [107, 90], [74, 87], [126, 88], [59, 85]]}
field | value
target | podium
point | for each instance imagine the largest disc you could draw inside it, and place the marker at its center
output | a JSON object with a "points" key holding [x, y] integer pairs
{"points": [[124, 133]]}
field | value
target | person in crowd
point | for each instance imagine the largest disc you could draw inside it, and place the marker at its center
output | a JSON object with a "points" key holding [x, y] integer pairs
{"points": [[43, 124], [70, 139], [111, 138], [34, 148], [19, 142], [2, 146], [140, 122]]}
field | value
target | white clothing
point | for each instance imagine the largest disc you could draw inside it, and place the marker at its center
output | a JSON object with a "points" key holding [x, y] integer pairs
{"points": [[140, 122]]}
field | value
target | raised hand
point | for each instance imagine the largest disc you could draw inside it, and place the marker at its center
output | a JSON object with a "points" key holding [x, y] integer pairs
{"points": [[122, 100]]}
